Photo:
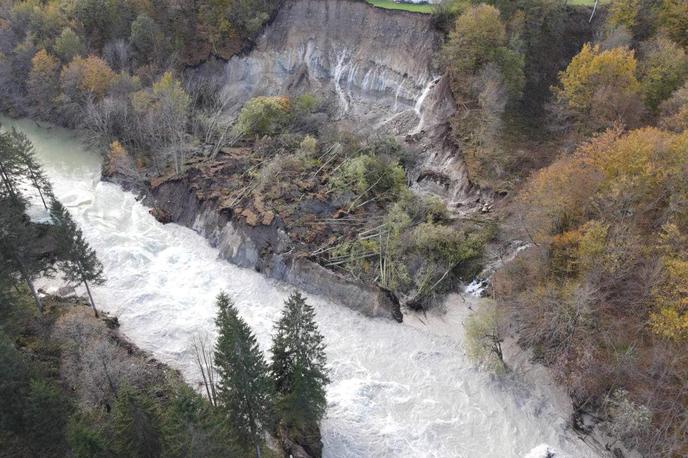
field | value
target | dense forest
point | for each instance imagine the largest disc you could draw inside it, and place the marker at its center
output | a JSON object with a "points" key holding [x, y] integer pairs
{"points": [[598, 294], [574, 120]]}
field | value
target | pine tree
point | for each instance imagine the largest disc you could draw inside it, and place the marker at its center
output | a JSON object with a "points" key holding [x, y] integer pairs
{"points": [[17, 261], [17, 234], [30, 168], [78, 261], [137, 424], [193, 427], [10, 167], [298, 365], [244, 388]]}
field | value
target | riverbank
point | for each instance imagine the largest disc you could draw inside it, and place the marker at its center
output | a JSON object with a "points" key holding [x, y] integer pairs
{"points": [[396, 390], [248, 237]]}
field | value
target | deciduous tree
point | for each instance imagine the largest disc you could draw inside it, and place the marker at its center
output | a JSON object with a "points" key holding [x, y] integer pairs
{"points": [[662, 70], [43, 80], [600, 87]]}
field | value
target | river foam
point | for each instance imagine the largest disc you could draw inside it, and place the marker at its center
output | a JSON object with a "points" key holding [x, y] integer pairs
{"points": [[397, 390]]}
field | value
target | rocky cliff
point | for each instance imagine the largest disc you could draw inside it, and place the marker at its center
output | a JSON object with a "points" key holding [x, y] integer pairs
{"points": [[376, 67]]}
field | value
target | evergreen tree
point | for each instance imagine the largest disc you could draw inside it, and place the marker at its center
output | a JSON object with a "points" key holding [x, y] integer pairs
{"points": [[17, 234], [18, 163], [193, 427], [45, 418], [17, 261], [136, 424], [10, 167], [244, 387], [298, 365], [15, 376], [29, 167], [78, 260]]}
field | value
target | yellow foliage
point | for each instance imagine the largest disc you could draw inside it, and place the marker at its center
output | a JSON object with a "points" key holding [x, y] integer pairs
{"points": [[638, 166], [592, 246], [43, 64], [623, 13], [593, 70], [115, 156], [167, 96], [117, 150], [671, 300], [43, 78], [556, 197], [600, 208], [96, 76], [93, 75], [580, 250], [673, 19]]}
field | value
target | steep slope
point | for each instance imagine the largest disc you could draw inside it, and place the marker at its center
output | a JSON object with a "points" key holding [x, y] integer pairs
{"points": [[374, 65]]}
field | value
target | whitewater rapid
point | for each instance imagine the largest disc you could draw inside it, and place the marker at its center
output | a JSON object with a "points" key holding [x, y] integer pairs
{"points": [[398, 390]]}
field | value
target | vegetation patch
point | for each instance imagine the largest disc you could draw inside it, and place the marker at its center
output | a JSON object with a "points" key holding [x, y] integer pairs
{"points": [[424, 8]]}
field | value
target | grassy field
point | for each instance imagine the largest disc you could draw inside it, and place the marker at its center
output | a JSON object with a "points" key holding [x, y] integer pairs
{"points": [[390, 5], [427, 9]]}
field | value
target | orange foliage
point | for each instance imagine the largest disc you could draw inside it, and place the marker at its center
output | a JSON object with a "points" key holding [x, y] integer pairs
{"points": [[93, 75]]}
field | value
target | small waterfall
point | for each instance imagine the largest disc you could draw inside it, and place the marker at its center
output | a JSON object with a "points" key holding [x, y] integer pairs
{"points": [[418, 107], [338, 72], [396, 95]]}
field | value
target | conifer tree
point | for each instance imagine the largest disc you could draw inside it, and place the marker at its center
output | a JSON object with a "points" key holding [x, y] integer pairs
{"points": [[136, 424], [298, 365], [78, 261], [193, 427], [245, 388], [30, 168], [17, 235], [10, 167]]}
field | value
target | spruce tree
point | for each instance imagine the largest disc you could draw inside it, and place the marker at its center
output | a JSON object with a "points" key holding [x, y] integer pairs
{"points": [[78, 261], [10, 166], [29, 167], [245, 388], [298, 365], [17, 233], [136, 424], [193, 427], [17, 236]]}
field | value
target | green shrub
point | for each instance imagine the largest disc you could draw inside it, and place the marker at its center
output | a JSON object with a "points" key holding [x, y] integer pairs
{"points": [[484, 330], [84, 437], [263, 116], [370, 177], [415, 254]]}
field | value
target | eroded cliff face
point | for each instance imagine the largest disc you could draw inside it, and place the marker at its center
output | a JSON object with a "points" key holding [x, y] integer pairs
{"points": [[375, 66], [262, 245]]}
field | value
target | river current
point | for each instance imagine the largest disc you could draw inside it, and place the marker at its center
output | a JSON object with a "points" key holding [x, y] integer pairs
{"points": [[398, 390]]}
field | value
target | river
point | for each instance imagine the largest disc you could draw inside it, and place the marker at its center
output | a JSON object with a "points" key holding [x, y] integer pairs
{"points": [[398, 390]]}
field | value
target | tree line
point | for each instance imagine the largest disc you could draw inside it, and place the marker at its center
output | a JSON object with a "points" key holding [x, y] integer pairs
{"points": [[72, 254], [599, 295], [117, 69]]}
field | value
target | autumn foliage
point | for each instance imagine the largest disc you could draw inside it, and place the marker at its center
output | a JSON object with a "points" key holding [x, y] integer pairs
{"points": [[600, 87], [607, 276]]}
